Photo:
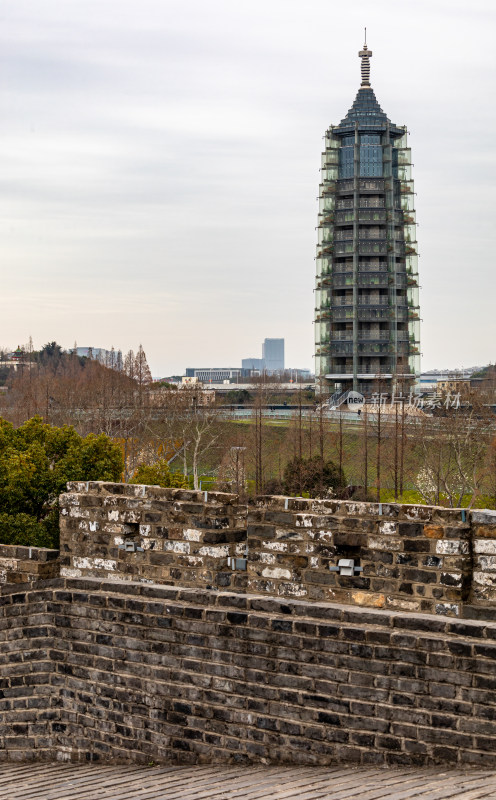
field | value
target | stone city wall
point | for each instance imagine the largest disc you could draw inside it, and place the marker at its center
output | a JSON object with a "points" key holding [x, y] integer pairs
{"points": [[181, 537], [122, 670], [29, 711], [413, 558]]}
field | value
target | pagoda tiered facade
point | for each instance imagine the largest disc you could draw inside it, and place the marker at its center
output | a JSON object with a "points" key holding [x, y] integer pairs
{"points": [[367, 325]]}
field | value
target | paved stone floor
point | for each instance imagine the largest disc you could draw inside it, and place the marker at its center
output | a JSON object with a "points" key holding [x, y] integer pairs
{"points": [[91, 782]]}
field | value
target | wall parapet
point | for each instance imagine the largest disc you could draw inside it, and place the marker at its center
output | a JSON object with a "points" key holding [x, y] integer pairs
{"points": [[106, 670], [135, 532], [20, 564], [412, 558]]}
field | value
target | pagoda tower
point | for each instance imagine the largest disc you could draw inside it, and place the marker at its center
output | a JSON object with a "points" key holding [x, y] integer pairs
{"points": [[367, 324]]}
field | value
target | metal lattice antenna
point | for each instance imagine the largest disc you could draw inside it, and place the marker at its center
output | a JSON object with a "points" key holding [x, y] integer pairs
{"points": [[365, 54]]}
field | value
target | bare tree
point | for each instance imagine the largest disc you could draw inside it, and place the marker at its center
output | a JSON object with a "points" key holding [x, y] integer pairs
{"points": [[454, 456], [142, 373], [185, 425], [129, 364], [365, 418]]}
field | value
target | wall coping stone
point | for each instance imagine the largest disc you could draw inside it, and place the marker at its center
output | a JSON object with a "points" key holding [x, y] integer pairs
{"points": [[26, 553], [411, 512], [289, 609], [485, 516], [135, 490]]}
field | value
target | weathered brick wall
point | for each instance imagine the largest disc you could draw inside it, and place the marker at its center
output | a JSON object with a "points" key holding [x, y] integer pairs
{"points": [[29, 713], [414, 558], [145, 673], [20, 564], [185, 537], [484, 558]]}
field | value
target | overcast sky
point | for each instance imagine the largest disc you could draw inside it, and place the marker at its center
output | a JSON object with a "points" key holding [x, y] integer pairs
{"points": [[160, 167]]}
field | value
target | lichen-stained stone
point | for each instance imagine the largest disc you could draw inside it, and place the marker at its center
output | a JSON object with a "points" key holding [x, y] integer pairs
{"points": [[452, 547], [368, 599], [486, 546], [434, 531], [388, 528]]}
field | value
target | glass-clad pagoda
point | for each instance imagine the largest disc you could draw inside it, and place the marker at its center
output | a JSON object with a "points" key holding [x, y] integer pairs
{"points": [[367, 325]]}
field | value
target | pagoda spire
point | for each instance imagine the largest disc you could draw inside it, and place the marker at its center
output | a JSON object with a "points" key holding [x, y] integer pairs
{"points": [[365, 54]]}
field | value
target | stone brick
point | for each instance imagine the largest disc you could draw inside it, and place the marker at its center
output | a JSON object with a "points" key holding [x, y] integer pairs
{"points": [[359, 706], [409, 530], [486, 546], [434, 531], [486, 517], [416, 546], [452, 547]]}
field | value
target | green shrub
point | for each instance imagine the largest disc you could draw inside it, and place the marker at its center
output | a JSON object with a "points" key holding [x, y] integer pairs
{"points": [[159, 474]]}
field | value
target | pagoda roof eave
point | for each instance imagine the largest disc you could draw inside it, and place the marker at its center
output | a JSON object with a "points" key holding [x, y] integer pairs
{"points": [[367, 114], [346, 130]]}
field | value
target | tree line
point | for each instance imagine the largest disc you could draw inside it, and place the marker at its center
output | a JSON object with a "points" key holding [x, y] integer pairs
{"points": [[184, 436]]}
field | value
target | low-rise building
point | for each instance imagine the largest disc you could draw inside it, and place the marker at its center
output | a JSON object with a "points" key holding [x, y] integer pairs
{"points": [[214, 374]]}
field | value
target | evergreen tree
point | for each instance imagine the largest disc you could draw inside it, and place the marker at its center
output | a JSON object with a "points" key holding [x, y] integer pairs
{"points": [[36, 461]]}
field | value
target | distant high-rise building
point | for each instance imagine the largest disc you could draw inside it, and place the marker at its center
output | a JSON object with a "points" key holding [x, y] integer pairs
{"points": [[367, 310], [273, 355], [251, 365]]}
